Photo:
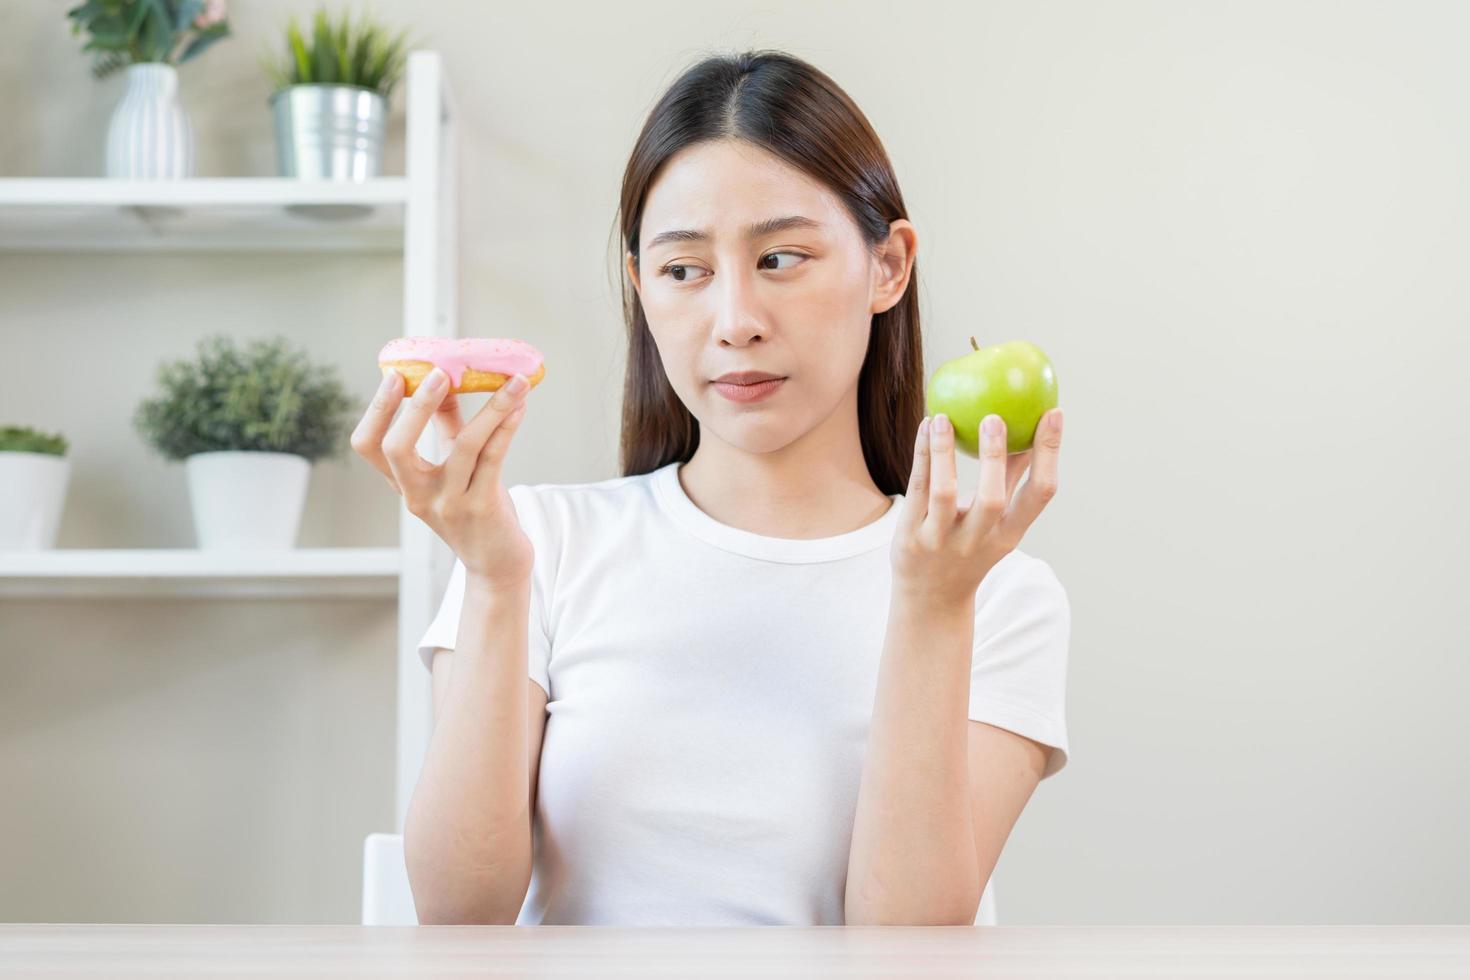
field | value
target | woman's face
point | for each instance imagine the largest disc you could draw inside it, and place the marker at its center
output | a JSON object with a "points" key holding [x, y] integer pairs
{"points": [[796, 301]]}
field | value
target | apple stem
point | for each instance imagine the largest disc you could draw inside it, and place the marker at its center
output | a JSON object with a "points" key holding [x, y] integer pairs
{"points": [[973, 344]]}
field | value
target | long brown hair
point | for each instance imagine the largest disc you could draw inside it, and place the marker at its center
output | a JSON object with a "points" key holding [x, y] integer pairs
{"points": [[785, 105]]}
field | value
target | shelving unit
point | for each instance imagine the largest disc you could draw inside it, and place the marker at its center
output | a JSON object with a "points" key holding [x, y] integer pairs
{"points": [[216, 214], [412, 215], [301, 573]]}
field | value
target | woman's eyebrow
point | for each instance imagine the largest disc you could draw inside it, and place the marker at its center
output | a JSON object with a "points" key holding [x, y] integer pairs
{"points": [[757, 230]]}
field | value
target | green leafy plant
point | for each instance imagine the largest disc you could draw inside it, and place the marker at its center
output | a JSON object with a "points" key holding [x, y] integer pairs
{"points": [[264, 397], [128, 32], [340, 51], [24, 439]]}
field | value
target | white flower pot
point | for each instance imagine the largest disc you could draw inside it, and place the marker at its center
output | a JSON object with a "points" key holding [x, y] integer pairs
{"points": [[247, 499], [32, 493], [149, 135]]}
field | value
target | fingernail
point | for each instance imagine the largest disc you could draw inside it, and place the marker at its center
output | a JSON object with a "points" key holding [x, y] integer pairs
{"points": [[1058, 422], [924, 427], [436, 378], [386, 383], [517, 384], [941, 423], [991, 425]]}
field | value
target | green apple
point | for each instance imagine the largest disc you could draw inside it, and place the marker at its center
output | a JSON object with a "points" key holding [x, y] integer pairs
{"points": [[1013, 380]]}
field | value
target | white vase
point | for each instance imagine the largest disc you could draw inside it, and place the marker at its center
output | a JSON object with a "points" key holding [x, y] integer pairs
{"points": [[243, 499], [32, 492], [149, 135]]}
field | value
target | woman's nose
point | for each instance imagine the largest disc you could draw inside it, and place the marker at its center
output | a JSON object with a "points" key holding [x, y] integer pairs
{"points": [[738, 314]]}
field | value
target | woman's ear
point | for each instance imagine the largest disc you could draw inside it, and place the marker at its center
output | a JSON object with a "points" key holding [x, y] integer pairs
{"points": [[895, 263], [632, 264]]}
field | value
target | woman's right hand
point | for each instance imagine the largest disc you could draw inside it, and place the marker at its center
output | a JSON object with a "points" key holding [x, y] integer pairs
{"points": [[462, 498]]}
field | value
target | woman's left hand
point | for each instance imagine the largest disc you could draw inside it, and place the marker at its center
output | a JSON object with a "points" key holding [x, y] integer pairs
{"points": [[941, 550]]}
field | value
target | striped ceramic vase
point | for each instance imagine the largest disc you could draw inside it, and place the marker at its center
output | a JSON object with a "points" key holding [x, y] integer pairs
{"points": [[149, 135]]}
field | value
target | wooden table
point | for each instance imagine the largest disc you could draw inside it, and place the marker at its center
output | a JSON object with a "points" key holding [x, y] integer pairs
{"points": [[66, 950]]}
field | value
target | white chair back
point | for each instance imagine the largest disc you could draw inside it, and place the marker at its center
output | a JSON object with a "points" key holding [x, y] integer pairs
{"points": [[386, 898], [985, 914]]}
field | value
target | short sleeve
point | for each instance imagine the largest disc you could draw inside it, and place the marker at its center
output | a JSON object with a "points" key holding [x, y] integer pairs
{"points": [[1018, 670], [443, 630]]}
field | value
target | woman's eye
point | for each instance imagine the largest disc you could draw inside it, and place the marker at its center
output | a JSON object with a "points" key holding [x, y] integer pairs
{"points": [[679, 273], [682, 273], [794, 255]]}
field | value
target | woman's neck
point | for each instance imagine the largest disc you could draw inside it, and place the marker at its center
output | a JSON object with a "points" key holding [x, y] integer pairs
{"points": [[815, 487]]}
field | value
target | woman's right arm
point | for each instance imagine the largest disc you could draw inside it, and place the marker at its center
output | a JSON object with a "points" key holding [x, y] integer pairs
{"points": [[467, 834]]}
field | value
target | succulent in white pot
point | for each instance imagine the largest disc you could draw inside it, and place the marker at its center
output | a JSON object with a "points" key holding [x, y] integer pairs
{"points": [[34, 473], [330, 96], [248, 423]]}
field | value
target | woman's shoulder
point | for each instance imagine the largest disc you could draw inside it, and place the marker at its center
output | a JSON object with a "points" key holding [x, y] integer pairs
{"points": [[586, 503], [1021, 576], [611, 487]]}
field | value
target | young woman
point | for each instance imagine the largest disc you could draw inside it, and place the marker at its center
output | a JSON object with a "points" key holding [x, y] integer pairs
{"points": [[778, 674]]}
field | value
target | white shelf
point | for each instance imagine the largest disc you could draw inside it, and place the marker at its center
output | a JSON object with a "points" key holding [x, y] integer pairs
{"points": [[170, 572], [87, 214], [415, 218]]}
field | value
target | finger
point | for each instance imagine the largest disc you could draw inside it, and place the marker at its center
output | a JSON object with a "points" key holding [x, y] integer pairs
{"points": [[400, 445], [942, 477], [367, 438], [486, 473], [916, 498], [990, 498], [448, 420], [1041, 485], [459, 468], [1016, 464]]}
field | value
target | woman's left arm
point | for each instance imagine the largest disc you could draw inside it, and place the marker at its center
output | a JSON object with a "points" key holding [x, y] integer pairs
{"points": [[924, 843]]}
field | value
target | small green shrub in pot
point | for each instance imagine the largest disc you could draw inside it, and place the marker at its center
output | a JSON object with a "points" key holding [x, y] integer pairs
{"points": [[248, 422], [24, 439], [34, 473]]}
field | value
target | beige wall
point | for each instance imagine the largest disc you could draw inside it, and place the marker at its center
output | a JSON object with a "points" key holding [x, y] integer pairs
{"points": [[1237, 228]]}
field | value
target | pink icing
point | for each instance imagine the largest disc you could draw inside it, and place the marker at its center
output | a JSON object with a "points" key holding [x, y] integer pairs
{"points": [[496, 354]]}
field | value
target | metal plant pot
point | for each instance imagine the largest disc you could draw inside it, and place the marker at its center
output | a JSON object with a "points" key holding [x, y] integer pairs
{"points": [[329, 132]]}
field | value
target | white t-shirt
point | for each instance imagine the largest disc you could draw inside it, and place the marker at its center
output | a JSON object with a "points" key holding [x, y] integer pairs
{"points": [[710, 692]]}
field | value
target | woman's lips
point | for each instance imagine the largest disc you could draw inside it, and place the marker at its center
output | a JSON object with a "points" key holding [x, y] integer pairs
{"points": [[748, 393]]}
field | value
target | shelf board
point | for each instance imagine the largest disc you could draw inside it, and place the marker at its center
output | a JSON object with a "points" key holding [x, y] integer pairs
{"points": [[243, 214], [174, 572]]}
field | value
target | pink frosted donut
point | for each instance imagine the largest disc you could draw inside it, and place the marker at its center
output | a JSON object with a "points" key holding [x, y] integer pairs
{"points": [[472, 363]]}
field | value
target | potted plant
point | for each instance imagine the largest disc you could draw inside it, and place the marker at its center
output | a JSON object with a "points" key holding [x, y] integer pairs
{"points": [[34, 471], [248, 423], [149, 134], [330, 96]]}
